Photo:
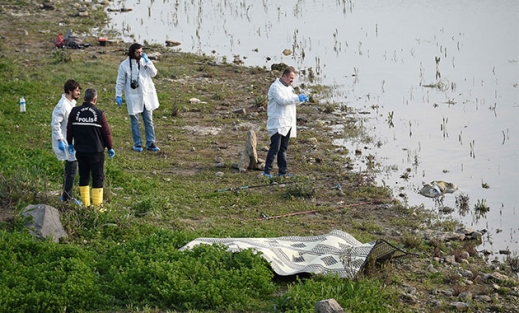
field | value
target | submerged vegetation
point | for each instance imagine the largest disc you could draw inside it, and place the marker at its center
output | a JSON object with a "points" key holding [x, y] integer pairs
{"points": [[127, 259]]}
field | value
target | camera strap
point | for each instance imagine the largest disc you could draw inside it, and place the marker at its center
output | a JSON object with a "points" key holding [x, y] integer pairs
{"points": [[131, 70]]}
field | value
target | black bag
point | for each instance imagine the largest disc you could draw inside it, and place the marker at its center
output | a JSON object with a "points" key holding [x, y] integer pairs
{"points": [[73, 42]]}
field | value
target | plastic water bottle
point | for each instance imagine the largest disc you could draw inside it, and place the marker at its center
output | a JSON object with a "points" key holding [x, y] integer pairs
{"points": [[22, 105]]}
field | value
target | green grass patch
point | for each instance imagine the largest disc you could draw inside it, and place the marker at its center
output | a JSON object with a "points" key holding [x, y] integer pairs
{"points": [[353, 296]]}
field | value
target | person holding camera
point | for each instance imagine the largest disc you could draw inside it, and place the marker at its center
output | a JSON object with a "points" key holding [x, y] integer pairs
{"points": [[134, 77]]}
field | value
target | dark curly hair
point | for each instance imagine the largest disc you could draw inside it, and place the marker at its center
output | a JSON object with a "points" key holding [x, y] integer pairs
{"points": [[71, 85], [131, 50]]}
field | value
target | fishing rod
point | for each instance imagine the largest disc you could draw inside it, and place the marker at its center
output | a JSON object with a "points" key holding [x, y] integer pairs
{"points": [[273, 182], [237, 189], [264, 216]]}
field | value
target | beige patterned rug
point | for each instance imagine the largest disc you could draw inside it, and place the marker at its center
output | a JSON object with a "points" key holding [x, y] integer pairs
{"points": [[335, 253]]}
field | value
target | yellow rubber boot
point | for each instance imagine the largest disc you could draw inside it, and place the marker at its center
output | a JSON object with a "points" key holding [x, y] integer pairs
{"points": [[97, 196], [84, 191]]}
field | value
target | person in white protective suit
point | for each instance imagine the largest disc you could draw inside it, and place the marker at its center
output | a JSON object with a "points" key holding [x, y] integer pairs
{"points": [[281, 120], [134, 77], [59, 121]]}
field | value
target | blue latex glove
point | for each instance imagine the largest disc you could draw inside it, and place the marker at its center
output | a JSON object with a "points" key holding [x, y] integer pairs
{"points": [[61, 145], [111, 153], [145, 57], [119, 100], [303, 98], [71, 149]]}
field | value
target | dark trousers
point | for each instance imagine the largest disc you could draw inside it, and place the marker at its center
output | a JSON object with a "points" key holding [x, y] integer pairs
{"points": [[278, 148], [91, 164], [68, 179]]}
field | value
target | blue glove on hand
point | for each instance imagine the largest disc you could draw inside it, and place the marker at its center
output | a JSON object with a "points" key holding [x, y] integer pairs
{"points": [[61, 145], [303, 98], [145, 57], [71, 149], [111, 153], [119, 100]]}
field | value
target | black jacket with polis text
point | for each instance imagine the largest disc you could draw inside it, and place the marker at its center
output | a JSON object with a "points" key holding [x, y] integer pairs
{"points": [[88, 129]]}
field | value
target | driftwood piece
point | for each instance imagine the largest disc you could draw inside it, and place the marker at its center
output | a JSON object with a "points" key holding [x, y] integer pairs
{"points": [[249, 157]]}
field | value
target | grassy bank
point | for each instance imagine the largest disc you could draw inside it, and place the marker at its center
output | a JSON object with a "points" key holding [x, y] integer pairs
{"points": [[126, 259]]}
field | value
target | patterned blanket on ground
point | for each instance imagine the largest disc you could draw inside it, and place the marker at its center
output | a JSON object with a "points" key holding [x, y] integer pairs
{"points": [[334, 253]]}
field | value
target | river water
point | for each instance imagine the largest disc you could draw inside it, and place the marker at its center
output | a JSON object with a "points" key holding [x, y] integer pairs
{"points": [[438, 82]]}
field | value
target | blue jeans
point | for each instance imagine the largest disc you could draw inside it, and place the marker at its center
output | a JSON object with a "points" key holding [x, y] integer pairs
{"points": [[278, 148], [147, 117]]}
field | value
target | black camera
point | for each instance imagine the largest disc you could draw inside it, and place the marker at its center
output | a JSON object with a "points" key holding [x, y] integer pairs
{"points": [[134, 84]]}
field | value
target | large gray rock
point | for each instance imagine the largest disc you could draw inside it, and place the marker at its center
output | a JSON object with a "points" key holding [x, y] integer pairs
{"points": [[328, 306], [45, 222]]}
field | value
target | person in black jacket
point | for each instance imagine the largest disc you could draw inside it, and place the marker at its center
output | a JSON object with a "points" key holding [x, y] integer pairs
{"points": [[88, 134]]}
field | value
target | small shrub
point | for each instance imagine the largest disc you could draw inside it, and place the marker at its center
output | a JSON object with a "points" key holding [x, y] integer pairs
{"points": [[300, 190], [329, 108], [462, 203], [470, 247], [481, 207], [513, 262], [438, 246], [61, 55], [452, 278], [411, 241], [460, 289], [352, 296], [261, 101], [144, 206], [219, 95]]}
